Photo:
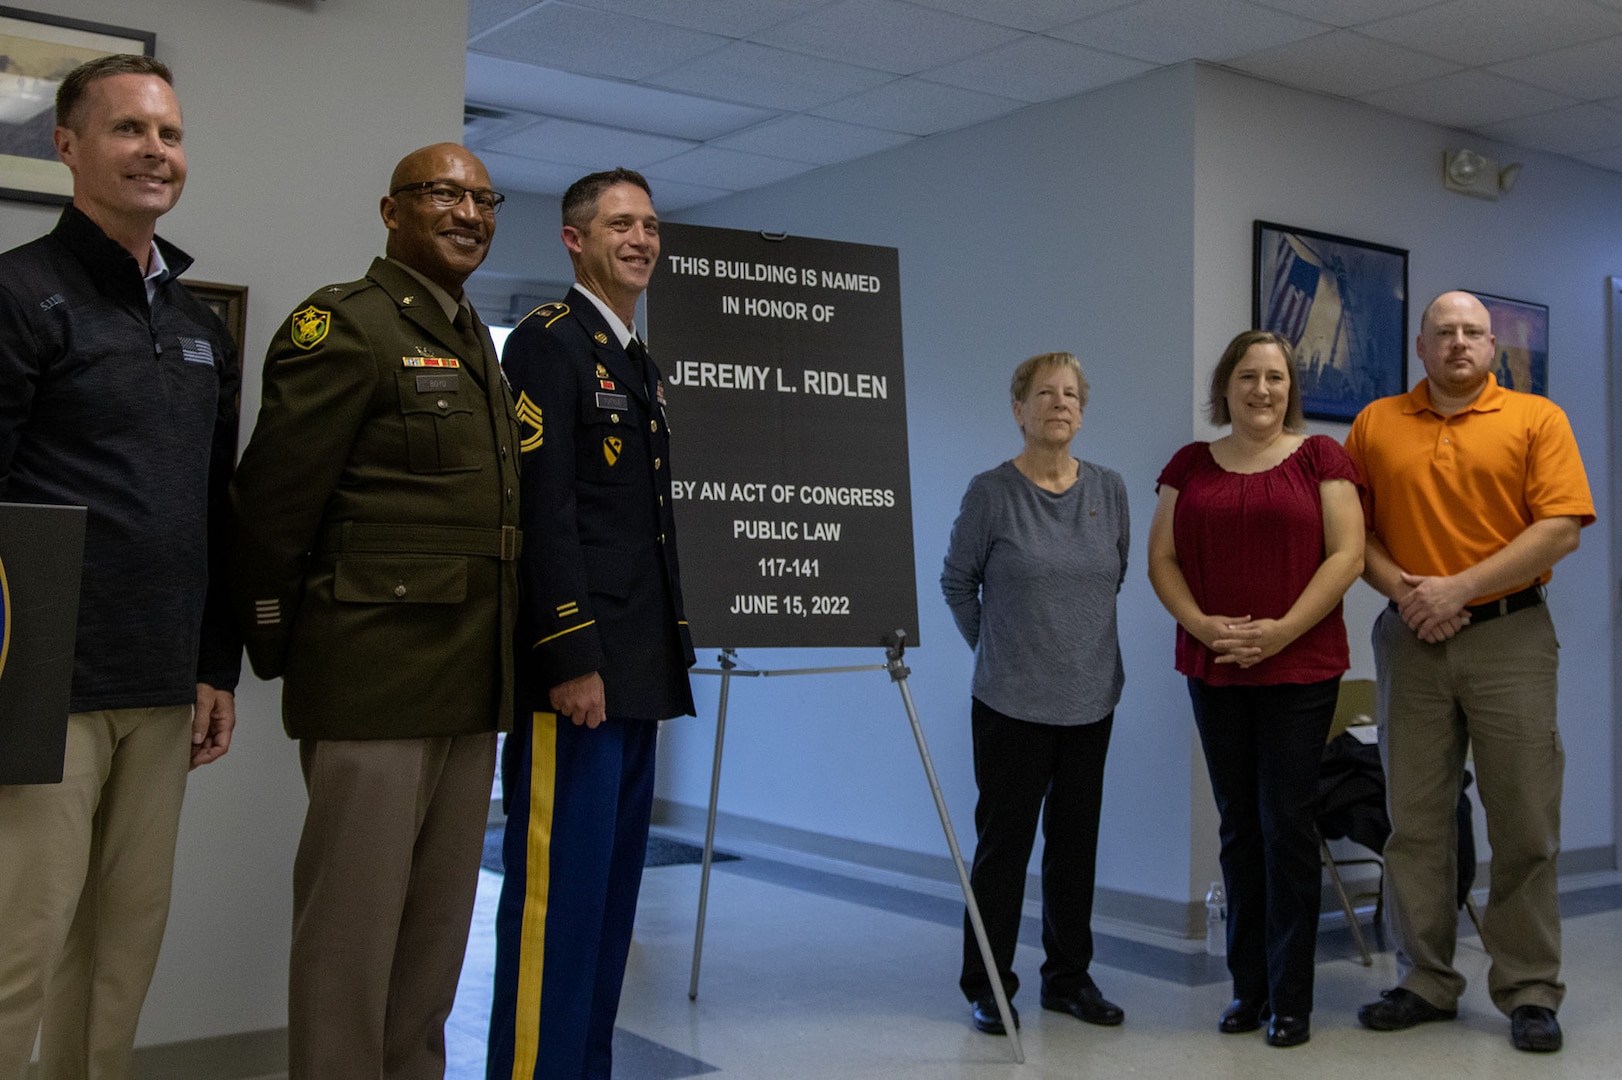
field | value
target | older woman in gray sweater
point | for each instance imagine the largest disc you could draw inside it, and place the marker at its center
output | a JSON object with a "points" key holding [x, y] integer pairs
{"points": [[1036, 559]]}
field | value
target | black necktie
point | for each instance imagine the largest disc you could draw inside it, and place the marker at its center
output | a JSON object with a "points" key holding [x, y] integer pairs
{"points": [[638, 353]]}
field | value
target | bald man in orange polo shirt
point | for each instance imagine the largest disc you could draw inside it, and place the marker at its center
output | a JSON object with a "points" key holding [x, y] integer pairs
{"points": [[1474, 493]]}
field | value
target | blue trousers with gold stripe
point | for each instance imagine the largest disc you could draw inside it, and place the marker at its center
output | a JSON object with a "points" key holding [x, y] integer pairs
{"points": [[578, 804]]}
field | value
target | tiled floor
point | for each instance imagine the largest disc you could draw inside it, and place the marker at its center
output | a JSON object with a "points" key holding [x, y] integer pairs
{"points": [[809, 975]]}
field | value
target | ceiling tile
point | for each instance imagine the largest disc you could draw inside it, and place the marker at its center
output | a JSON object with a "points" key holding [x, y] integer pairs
{"points": [[732, 170], [1037, 15], [510, 173], [917, 107], [887, 34], [1487, 31], [546, 91], [770, 78], [730, 18], [1347, 12], [812, 139], [1467, 99], [1343, 62], [565, 142], [1037, 68], [1171, 31], [1591, 70], [595, 42], [670, 196], [483, 14], [1579, 129]]}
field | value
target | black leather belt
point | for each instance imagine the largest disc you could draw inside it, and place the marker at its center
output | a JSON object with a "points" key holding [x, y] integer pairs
{"points": [[1531, 596]]}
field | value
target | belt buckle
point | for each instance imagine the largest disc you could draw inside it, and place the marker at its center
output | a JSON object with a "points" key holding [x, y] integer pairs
{"points": [[509, 543]]}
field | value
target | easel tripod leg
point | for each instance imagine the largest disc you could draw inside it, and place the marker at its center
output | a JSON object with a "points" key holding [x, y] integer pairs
{"points": [[709, 827], [899, 675]]}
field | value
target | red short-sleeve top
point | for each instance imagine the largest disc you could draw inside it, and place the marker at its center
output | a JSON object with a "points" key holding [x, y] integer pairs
{"points": [[1247, 544]]}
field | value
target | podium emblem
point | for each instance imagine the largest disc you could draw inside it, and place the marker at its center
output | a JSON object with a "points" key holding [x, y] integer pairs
{"points": [[5, 617]]}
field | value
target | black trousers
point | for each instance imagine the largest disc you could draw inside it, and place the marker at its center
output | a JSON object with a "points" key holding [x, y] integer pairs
{"points": [[1262, 749], [1025, 771]]}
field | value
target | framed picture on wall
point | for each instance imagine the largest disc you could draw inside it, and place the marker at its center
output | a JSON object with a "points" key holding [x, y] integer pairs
{"points": [[1522, 330], [36, 51], [1343, 305]]}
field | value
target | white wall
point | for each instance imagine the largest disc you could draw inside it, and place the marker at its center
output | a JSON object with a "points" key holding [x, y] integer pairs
{"points": [[1118, 224], [1065, 226], [1300, 159], [296, 111]]}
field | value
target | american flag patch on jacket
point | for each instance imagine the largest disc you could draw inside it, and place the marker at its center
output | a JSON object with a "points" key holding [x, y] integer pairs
{"points": [[196, 351]]}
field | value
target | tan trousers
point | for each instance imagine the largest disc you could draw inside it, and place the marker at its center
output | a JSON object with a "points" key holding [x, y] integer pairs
{"points": [[85, 872], [383, 889], [1490, 688]]}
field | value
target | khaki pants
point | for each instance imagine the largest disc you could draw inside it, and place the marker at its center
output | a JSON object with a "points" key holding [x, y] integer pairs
{"points": [[1490, 688], [85, 873], [383, 890]]}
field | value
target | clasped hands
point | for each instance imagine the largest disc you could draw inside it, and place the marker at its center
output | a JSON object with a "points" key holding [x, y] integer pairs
{"points": [[1242, 640], [1433, 607]]}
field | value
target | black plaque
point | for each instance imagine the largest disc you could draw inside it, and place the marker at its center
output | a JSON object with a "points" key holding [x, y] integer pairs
{"points": [[41, 552], [787, 404]]}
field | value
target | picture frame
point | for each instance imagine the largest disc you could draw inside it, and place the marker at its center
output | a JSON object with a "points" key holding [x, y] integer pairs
{"points": [[230, 303], [1343, 306], [1522, 330], [36, 51]]}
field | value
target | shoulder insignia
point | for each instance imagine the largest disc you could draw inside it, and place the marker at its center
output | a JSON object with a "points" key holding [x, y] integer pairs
{"points": [[549, 313], [310, 326], [600, 338], [529, 416]]}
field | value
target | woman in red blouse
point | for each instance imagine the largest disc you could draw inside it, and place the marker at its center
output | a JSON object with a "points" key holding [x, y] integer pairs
{"points": [[1255, 539]]}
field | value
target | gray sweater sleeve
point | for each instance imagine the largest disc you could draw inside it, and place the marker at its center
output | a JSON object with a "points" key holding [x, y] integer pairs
{"points": [[966, 553]]}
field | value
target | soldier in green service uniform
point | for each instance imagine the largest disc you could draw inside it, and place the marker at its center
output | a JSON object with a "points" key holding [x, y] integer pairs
{"points": [[376, 538]]}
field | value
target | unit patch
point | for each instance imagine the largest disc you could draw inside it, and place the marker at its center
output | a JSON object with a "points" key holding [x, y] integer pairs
{"points": [[310, 326], [611, 448], [529, 416]]}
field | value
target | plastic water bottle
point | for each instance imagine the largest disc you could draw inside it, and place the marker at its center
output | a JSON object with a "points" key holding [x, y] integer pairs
{"points": [[1216, 920]]}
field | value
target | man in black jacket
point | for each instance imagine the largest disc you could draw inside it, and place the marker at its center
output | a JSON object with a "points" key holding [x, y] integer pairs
{"points": [[117, 393], [603, 648]]}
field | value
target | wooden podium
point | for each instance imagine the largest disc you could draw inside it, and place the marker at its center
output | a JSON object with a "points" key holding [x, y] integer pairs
{"points": [[41, 554]]}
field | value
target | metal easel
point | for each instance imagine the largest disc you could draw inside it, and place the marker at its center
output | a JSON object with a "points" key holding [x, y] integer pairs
{"points": [[895, 647]]}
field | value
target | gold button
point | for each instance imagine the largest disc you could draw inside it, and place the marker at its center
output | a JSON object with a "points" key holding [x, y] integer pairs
{"points": [[509, 494], [661, 500], [614, 417], [443, 404], [653, 426], [503, 453], [655, 463], [400, 590], [661, 538]]}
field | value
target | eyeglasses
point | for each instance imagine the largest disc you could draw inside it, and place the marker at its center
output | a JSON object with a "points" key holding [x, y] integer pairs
{"points": [[444, 194]]}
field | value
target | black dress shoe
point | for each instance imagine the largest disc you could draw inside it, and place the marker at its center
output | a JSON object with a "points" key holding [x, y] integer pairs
{"points": [[1534, 1028], [1242, 1016], [1288, 1030], [1087, 1005], [1400, 1009], [986, 1018]]}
